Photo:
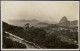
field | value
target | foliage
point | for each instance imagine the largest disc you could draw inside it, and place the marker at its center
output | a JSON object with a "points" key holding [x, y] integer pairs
{"points": [[8, 43], [38, 36]]}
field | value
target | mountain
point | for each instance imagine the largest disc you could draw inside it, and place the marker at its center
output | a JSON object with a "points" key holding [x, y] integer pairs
{"points": [[64, 19], [32, 22], [74, 23], [21, 23], [65, 22]]}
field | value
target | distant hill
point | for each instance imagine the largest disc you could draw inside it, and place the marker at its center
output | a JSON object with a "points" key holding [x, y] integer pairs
{"points": [[65, 22], [32, 22], [21, 23], [50, 22], [63, 19], [43, 23], [75, 22]]}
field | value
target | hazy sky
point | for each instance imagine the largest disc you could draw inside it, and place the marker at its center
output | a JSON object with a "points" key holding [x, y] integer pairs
{"points": [[41, 10]]}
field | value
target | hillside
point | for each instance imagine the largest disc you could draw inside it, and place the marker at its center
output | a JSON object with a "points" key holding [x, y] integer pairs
{"points": [[51, 37], [12, 41], [20, 32], [65, 22]]}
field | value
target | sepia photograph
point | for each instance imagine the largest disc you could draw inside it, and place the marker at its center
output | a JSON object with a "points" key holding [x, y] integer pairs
{"points": [[39, 24]]}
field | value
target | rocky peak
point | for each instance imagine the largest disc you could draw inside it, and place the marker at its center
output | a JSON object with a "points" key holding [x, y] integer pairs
{"points": [[64, 19]]}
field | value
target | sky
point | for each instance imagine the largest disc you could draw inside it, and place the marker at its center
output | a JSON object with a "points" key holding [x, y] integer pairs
{"points": [[40, 10]]}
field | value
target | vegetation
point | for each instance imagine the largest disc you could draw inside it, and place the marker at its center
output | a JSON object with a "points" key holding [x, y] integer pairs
{"points": [[44, 37], [8, 43]]}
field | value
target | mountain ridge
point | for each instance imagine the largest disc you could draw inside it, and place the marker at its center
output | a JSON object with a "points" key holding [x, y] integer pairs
{"points": [[65, 22], [33, 22]]}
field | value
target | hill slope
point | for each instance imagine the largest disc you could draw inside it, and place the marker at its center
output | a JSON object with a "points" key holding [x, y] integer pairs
{"points": [[65, 22]]}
